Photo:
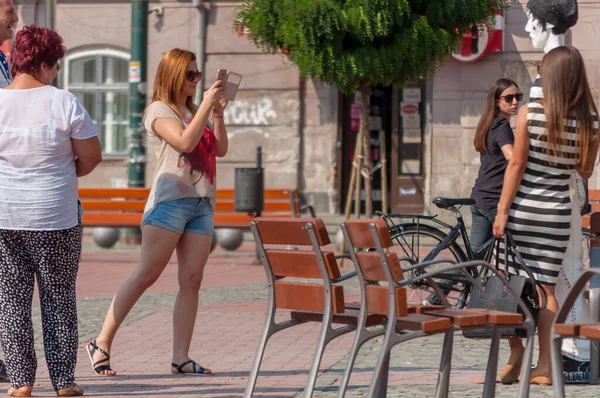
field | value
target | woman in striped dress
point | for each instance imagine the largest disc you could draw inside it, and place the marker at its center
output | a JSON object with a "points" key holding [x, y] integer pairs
{"points": [[554, 137]]}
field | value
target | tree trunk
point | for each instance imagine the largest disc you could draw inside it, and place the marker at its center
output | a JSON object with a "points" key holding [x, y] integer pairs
{"points": [[365, 122]]}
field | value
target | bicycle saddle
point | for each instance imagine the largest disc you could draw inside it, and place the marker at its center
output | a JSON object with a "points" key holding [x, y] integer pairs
{"points": [[448, 203]]}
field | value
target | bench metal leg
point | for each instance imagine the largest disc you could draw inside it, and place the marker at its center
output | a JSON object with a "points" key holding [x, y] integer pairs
{"points": [[525, 374], [594, 304], [268, 331], [558, 383], [383, 381], [443, 384], [594, 361], [361, 338], [327, 334], [489, 387], [386, 349]]}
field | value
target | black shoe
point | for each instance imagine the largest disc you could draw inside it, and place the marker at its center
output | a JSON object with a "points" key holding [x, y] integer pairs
{"points": [[3, 376], [432, 299], [576, 372]]}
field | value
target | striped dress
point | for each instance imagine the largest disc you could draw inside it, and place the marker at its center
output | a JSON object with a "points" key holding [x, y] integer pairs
{"points": [[539, 217]]}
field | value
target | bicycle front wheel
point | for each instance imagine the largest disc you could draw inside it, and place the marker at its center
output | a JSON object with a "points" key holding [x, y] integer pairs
{"points": [[420, 242]]}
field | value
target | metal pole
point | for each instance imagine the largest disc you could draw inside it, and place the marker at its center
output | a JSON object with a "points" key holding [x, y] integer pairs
{"points": [[50, 14], [200, 46], [137, 97]]}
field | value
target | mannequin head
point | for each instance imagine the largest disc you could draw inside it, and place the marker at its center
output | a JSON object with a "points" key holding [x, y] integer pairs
{"points": [[548, 20]]}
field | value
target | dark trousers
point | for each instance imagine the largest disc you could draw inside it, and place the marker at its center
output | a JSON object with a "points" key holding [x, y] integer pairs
{"points": [[51, 258]]}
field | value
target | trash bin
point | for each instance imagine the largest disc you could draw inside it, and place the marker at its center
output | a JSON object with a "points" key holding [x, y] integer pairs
{"points": [[249, 190]]}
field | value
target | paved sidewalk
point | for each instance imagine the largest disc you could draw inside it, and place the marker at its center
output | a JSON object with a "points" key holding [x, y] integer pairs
{"points": [[229, 322]]}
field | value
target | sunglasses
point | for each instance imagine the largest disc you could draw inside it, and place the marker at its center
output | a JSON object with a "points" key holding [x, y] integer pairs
{"points": [[191, 76], [510, 97]]}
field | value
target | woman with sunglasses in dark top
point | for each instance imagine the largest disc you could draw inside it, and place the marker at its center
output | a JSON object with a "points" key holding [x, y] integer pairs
{"points": [[179, 214], [494, 140]]}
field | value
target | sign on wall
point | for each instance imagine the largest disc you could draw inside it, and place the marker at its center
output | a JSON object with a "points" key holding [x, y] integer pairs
{"points": [[476, 43]]}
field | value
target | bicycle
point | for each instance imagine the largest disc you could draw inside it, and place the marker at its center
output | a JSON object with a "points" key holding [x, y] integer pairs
{"points": [[414, 237]]}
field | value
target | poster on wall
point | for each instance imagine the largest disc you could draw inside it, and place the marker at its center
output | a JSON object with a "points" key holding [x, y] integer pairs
{"points": [[411, 136], [411, 118], [376, 123], [411, 167], [411, 95], [411, 121], [354, 124], [355, 111]]}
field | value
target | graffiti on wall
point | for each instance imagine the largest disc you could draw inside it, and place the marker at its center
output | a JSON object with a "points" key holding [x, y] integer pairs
{"points": [[253, 112]]}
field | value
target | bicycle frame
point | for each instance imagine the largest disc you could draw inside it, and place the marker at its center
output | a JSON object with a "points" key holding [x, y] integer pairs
{"points": [[456, 230]]}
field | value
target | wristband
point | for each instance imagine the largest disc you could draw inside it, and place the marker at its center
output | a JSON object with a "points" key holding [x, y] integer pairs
{"points": [[217, 116]]}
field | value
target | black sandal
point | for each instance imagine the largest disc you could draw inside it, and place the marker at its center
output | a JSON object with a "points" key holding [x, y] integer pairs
{"points": [[98, 368], [197, 368]]}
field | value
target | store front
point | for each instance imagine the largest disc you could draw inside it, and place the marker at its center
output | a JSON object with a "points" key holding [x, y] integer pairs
{"points": [[397, 115]]}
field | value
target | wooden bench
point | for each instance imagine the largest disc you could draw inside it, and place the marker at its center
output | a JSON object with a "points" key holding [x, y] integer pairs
{"points": [[594, 199], [124, 207], [316, 297], [589, 331], [405, 323]]}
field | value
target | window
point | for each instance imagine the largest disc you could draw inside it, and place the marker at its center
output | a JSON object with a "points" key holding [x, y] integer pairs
{"points": [[100, 80]]}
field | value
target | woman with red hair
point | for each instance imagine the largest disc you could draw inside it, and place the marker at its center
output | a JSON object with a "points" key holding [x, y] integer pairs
{"points": [[47, 140], [179, 214]]}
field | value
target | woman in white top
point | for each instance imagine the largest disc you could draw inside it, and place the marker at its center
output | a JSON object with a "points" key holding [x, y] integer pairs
{"points": [[47, 140], [179, 214]]}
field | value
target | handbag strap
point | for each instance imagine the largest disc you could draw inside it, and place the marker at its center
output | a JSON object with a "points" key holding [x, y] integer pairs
{"points": [[518, 262]]}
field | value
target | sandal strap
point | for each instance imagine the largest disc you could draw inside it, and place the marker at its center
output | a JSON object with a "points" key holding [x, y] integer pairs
{"points": [[196, 368], [99, 349], [99, 369]]}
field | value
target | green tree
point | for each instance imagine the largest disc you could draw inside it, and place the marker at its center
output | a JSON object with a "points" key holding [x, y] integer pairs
{"points": [[357, 44]]}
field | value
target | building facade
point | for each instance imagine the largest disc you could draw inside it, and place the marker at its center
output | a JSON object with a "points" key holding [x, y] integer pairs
{"points": [[306, 129]]}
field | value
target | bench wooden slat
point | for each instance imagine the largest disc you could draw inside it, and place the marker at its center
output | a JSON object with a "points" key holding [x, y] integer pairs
{"points": [[594, 195], [378, 300], [115, 205], [281, 194], [500, 317], [361, 235], [281, 231], [567, 329], [370, 265], [349, 317], [129, 193], [307, 297], [301, 264], [426, 323], [590, 331], [269, 207], [462, 318], [121, 220]]}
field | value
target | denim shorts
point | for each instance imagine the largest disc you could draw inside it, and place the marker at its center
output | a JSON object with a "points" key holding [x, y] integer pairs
{"points": [[194, 215]]}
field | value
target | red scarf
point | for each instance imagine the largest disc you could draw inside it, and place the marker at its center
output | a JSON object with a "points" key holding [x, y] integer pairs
{"points": [[203, 158]]}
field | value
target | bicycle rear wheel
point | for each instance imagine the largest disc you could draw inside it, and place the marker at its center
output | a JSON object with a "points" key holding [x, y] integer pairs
{"points": [[417, 241]]}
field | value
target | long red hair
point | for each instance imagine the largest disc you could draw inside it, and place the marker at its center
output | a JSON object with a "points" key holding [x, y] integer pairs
{"points": [[170, 78]]}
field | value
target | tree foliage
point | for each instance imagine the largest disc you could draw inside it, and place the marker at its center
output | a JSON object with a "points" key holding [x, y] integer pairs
{"points": [[346, 42]]}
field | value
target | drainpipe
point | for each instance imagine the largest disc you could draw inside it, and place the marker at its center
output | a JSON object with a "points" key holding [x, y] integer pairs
{"points": [[200, 45]]}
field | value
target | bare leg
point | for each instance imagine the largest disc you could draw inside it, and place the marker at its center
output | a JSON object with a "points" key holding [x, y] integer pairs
{"points": [[157, 248], [192, 253], [510, 373], [544, 365]]}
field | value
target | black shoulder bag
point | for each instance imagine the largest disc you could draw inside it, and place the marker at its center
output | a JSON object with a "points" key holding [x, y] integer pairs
{"points": [[499, 295]]}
